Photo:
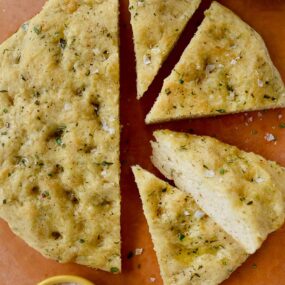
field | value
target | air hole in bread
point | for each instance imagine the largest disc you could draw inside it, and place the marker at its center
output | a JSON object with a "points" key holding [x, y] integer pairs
{"points": [[56, 235], [72, 197]]}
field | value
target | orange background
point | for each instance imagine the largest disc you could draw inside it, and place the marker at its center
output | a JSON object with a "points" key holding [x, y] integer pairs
{"points": [[21, 265]]}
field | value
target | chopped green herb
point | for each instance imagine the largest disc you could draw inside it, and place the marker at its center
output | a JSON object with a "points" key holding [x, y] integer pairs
{"points": [[224, 261], [37, 30], [37, 94], [106, 163], [58, 141], [205, 166], [269, 97], [167, 91], [249, 203], [164, 190], [23, 77], [114, 269], [62, 43], [222, 171], [221, 111], [230, 88], [181, 236], [4, 201], [5, 110], [254, 266], [282, 126], [3, 91], [82, 240], [45, 194], [181, 81]]}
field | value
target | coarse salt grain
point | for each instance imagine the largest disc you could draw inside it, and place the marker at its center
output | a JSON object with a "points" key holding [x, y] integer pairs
{"points": [[107, 129], [199, 214], [210, 68], [260, 83], [250, 119], [233, 61], [156, 50], [186, 213], [209, 173], [140, 3], [96, 51], [67, 106], [232, 95], [146, 59], [269, 137], [152, 279], [280, 116], [94, 70], [259, 180], [138, 251]]}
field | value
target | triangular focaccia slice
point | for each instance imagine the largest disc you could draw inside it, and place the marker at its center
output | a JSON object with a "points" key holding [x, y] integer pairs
{"points": [[156, 26], [59, 153], [241, 191], [191, 248], [225, 69]]}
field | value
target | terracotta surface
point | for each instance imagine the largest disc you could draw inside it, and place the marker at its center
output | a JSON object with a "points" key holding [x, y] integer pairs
{"points": [[21, 265]]}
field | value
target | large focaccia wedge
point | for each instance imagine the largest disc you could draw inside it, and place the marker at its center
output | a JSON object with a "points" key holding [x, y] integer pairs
{"points": [[191, 248], [225, 69], [156, 26], [242, 192], [59, 153]]}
